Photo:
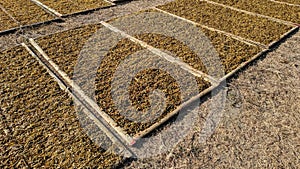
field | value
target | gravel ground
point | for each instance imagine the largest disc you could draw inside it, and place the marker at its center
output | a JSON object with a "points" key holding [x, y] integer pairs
{"points": [[260, 124]]}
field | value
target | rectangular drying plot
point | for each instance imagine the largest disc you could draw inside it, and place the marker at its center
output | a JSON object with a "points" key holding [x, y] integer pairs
{"points": [[238, 23], [6, 22], [26, 12], [64, 49], [66, 7], [296, 2], [40, 117], [230, 51], [267, 7]]}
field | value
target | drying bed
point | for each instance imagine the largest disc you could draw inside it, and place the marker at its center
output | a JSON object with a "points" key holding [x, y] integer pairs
{"points": [[6, 22], [26, 12], [66, 7], [296, 2], [266, 7], [38, 124], [238, 23], [143, 83], [64, 48], [231, 52]]}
